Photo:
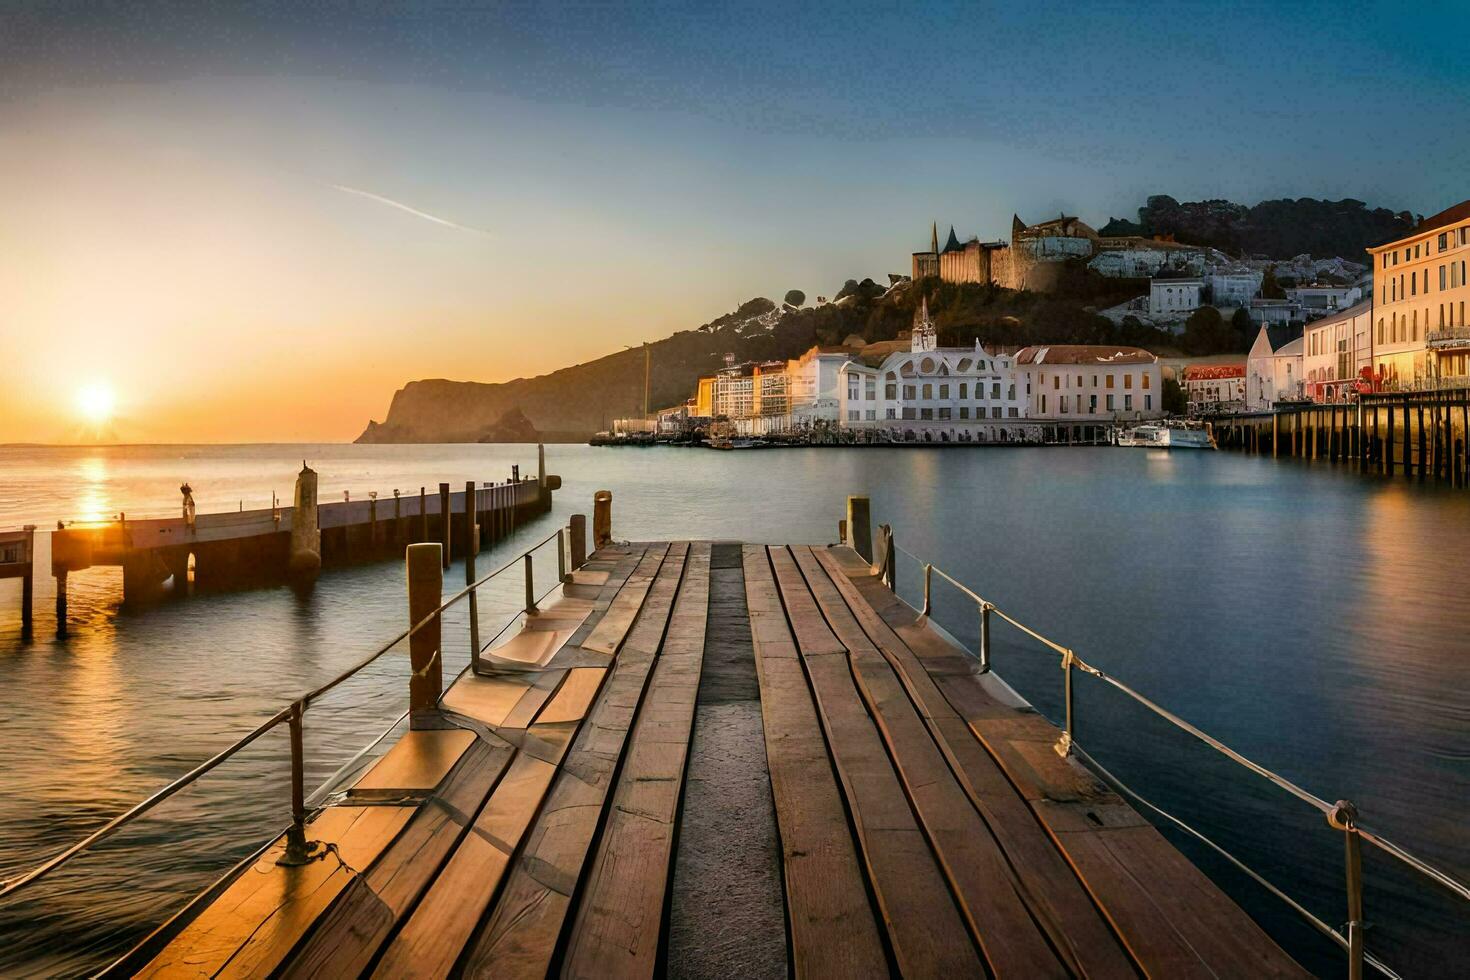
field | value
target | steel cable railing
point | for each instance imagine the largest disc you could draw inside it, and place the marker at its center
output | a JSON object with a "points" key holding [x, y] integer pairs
{"points": [[292, 715], [1341, 816]]}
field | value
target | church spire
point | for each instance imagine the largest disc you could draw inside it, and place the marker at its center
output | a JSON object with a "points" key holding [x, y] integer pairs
{"points": [[934, 238]]}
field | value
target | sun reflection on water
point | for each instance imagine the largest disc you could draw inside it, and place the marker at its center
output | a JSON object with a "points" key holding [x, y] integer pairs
{"points": [[94, 492]]}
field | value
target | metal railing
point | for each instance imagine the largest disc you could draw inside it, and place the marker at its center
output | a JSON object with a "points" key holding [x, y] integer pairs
{"points": [[1341, 816], [298, 849]]}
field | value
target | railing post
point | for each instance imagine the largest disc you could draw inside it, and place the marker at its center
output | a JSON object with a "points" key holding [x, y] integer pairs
{"points": [[985, 608], [425, 587], [531, 609], [578, 527], [1344, 817], [888, 570], [928, 576], [860, 528], [561, 557], [299, 850], [472, 537], [601, 519], [1064, 744], [446, 524]]}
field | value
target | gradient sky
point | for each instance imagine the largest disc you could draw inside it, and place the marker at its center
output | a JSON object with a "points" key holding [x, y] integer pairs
{"points": [[257, 223]]}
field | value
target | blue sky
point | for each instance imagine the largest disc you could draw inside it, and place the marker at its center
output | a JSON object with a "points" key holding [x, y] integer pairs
{"points": [[173, 172]]}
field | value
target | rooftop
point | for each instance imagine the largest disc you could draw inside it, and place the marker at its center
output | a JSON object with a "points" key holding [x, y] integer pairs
{"points": [[1449, 216], [1084, 354], [1213, 372]]}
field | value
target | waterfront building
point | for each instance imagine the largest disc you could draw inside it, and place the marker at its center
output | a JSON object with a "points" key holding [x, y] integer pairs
{"points": [[1337, 353], [932, 394], [1273, 367], [1214, 388], [814, 385], [1090, 383], [704, 397], [770, 390], [1421, 337], [734, 392], [1174, 298]]}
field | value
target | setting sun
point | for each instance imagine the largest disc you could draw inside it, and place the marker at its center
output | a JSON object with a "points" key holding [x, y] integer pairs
{"points": [[96, 403]]}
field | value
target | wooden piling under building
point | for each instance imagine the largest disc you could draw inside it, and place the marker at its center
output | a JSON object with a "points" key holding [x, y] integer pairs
{"points": [[1421, 435], [901, 813]]}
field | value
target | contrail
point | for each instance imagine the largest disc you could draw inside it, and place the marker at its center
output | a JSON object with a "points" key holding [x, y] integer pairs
{"points": [[404, 207]]}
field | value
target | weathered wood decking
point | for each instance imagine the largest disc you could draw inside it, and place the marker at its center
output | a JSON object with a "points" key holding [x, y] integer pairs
{"points": [[905, 815]]}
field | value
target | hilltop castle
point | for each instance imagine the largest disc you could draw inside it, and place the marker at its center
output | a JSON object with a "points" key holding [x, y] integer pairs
{"points": [[1033, 258]]}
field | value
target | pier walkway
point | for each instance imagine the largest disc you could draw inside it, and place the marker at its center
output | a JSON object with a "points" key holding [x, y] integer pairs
{"points": [[714, 759]]}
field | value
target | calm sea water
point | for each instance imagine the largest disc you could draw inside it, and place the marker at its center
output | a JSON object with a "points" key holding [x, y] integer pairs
{"points": [[1310, 618]]}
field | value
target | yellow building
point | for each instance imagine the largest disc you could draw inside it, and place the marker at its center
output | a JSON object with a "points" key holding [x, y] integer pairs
{"points": [[1420, 331], [704, 401]]}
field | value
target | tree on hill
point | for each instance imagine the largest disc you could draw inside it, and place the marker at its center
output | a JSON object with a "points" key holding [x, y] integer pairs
{"points": [[1270, 288], [795, 297], [1206, 332], [1244, 327]]}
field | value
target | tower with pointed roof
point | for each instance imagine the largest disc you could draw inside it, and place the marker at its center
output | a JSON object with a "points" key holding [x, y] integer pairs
{"points": [[924, 337]]}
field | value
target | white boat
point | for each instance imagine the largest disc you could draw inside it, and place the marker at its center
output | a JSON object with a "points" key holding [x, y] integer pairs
{"points": [[1167, 435]]}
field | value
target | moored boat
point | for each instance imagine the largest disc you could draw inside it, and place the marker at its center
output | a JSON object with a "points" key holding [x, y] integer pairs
{"points": [[1167, 435]]}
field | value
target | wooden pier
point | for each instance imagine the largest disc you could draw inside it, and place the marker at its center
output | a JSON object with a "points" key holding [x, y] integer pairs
{"points": [[1420, 435], [17, 560], [588, 804], [253, 548]]}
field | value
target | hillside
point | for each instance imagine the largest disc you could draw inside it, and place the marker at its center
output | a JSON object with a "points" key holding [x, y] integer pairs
{"points": [[574, 402], [1274, 229]]}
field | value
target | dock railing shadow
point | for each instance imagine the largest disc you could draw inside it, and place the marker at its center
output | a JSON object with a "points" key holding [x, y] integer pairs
{"points": [[425, 640], [882, 552]]}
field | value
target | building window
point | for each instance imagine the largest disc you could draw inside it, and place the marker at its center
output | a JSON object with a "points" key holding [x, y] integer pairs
{"points": [[1127, 381], [1127, 403], [964, 411], [1110, 381], [890, 414], [964, 390], [1092, 405], [852, 415], [1443, 238], [908, 413], [944, 411], [928, 392], [1043, 404], [908, 393], [944, 391], [1014, 413], [1148, 403], [1110, 403], [1056, 382], [1146, 383], [870, 390], [995, 390], [890, 391], [926, 413], [871, 415]]}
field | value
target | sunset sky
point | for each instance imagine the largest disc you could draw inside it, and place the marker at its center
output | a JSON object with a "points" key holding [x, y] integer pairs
{"points": [[256, 225]]}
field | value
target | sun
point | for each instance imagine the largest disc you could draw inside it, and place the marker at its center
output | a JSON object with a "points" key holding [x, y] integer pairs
{"points": [[96, 402]]}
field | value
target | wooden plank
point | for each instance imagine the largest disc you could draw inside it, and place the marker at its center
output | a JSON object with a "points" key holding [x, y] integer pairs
{"points": [[416, 763], [519, 938], [832, 926], [617, 929], [615, 624], [487, 699], [432, 938], [530, 704], [351, 932], [926, 930], [989, 892], [1057, 899], [252, 926], [1166, 912]]}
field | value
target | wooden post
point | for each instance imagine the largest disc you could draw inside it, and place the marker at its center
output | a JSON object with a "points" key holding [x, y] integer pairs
{"points": [[601, 519], [1422, 453], [985, 608], [531, 609], [423, 515], [472, 535], [61, 603], [425, 586], [578, 525], [860, 528], [1275, 442], [1385, 462], [446, 523], [561, 556], [299, 850]]}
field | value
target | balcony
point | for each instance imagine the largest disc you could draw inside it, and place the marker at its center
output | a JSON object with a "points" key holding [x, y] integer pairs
{"points": [[1449, 337]]}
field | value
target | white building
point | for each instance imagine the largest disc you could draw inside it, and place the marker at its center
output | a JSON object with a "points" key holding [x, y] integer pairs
{"points": [[1317, 301], [814, 385], [1211, 388], [1274, 311], [1336, 351], [1085, 383], [933, 394], [1273, 369], [1233, 288], [1174, 298]]}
